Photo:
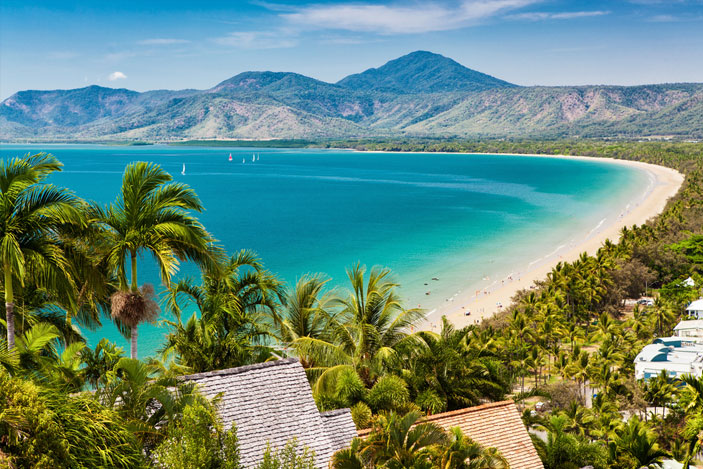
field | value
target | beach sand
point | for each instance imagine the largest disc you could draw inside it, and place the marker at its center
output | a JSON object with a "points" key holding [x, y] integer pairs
{"points": [[664, 183]]}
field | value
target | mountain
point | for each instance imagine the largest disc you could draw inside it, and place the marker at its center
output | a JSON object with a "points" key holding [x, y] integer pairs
{"points": [[422, 72], [420, 94]]}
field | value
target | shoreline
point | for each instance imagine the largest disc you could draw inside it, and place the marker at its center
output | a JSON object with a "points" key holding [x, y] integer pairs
{"points": [[483, 301]]}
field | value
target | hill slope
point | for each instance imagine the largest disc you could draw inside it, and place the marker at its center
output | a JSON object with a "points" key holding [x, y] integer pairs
{"points": [[420, 94]]}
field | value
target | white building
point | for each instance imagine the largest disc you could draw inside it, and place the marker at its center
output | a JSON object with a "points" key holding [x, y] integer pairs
{"points": [[677, 355], [695, 309], [690, 329]]}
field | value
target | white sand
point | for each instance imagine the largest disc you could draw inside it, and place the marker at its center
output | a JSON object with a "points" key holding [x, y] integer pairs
{"points": [[665, 184]]}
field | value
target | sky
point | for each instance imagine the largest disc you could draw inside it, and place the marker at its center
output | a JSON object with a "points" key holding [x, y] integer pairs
{"points": [[175, 44]]}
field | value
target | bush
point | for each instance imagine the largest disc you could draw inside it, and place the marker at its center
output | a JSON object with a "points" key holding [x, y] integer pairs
{"points": [[198, 440], [288, 458], [361, 415], [43, 428], [389, 393]]}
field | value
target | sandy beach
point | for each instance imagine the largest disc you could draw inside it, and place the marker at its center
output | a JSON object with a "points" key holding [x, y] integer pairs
{"points": [[493, 295]]}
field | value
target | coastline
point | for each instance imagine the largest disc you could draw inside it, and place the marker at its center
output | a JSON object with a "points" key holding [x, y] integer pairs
{"points": [[482, 301]]}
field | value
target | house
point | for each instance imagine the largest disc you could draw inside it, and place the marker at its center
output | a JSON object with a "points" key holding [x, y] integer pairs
{"points": [[497, 425], [677, 355], [690, 329], [695, 309], [272, 403]]}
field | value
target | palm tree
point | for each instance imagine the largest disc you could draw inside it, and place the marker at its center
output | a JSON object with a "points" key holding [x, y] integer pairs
{"points": [[463, 453], [146, 398], [562, 450], [32, 215], [399, 442], [635, 443], [151, 214], [367, 334], [306, 309], [230, 330]]}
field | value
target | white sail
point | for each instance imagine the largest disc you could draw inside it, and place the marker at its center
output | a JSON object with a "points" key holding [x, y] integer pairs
{"points": [[183, 171]]}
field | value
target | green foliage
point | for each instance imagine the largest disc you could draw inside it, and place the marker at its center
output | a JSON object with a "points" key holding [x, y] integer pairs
{"points": [[635, 446], [389, 393], [197, 440], [563, 450], [289, 457], [44, 428], [234, 302], [404, 441], [361, 414]]}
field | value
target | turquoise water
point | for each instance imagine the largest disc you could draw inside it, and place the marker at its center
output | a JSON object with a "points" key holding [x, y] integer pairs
{"points": [[453, 216]]}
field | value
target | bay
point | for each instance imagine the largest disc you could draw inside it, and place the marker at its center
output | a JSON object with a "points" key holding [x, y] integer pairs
{"points": [[457, 217]]}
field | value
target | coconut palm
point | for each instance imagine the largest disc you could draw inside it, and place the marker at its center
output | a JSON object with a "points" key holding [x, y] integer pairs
{"points": [[306, 310], [151, 214], [367, 333], [32, 215], [234, 303], [562, 450], [636, 445], [402, 441]]}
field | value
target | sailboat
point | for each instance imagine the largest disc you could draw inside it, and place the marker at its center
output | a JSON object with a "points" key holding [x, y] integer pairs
{"points": [[243, 161], [257, 157], [253, 158], [183, 171], [230, 156]]}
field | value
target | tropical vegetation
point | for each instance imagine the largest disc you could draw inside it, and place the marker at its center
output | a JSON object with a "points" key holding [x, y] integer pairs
{"points": [[569, 342]]}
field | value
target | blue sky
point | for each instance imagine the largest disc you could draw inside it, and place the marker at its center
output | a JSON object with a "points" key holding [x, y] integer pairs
{"points": [[176, 44]]}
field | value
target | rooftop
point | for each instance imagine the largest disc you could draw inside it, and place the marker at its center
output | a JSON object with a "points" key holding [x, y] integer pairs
{"points": [[272, 403], [695, 306], [497, 425], [689, 324]]}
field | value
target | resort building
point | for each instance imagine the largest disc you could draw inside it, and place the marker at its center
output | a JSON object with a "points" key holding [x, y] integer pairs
{"points": [[677, 355], [272, 403], [692, 329], [496, 425], [695, 309]]}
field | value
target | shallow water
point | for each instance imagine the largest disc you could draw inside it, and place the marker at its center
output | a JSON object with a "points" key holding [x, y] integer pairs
{"points": [[457, 217]]}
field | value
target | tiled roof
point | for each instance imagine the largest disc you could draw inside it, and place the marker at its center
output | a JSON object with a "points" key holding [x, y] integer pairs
{"points": [[497, 425], [272, 402]]}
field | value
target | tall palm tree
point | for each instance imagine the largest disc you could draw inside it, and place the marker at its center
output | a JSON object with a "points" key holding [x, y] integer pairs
{"points": [[306, 309], [367, 333], [151, 214], [32, 215], [230, 330]]}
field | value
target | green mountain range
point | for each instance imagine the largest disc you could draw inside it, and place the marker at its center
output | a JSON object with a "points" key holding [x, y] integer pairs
{"points": [[420, 94]]}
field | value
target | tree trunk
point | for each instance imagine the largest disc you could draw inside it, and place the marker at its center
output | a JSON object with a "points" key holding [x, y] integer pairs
{"points": [[9, 309], [10, 318], [134, 334]]}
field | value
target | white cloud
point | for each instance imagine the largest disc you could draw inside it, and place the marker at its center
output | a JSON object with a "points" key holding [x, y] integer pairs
{"points": [[162, 41], [116, 76], [400, 19], [567, 15], [256, 40]]}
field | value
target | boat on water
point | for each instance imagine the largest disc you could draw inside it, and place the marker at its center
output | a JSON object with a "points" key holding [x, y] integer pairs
{"points": [[183, 171], [230, 156], [243, 161], [253, 157], [257, 157]]}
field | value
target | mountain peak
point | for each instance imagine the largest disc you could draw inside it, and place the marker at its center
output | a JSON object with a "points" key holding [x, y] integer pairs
{"points": [[422, 72]]}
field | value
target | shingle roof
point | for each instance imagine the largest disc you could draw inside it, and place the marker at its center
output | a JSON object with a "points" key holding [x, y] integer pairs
{"points": [[497, 425], [272, 402]]}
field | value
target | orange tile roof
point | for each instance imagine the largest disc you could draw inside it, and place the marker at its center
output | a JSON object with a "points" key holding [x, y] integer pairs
{"points": [[498, 425]]}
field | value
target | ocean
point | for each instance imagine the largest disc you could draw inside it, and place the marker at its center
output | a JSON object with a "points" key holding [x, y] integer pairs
{"points": [[460, 218]]}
